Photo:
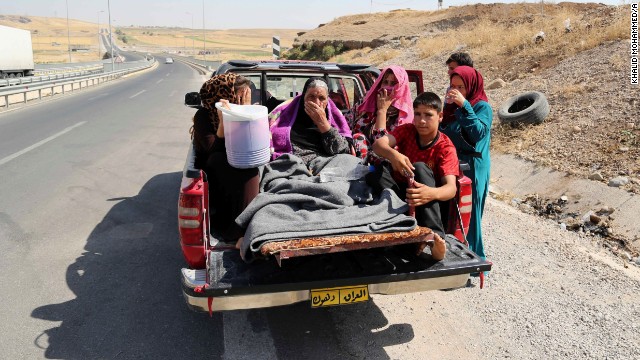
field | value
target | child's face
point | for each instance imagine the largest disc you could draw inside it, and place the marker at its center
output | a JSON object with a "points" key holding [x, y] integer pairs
{"points": [[426, 120], [458, 84], [451, 66], [389, 81]]}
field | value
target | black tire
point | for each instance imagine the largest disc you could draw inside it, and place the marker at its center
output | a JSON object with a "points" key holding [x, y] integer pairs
{"points": [[529, 108]]}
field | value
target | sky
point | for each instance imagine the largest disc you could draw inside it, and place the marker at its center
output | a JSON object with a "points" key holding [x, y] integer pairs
{"points": [[237, 14]]}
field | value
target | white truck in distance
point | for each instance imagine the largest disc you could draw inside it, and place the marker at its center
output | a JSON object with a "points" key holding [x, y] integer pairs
{"points": [[16, 52]]}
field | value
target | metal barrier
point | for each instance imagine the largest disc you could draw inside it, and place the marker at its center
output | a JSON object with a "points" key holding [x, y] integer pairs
{"points": [[53, 84], [208, 66], [52, 74]]}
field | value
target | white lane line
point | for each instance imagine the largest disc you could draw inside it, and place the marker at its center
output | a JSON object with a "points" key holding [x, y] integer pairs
{"points": [[172, 93], [40, 143], [136, 94], [159, 81], [168, 74], [95, 97]]}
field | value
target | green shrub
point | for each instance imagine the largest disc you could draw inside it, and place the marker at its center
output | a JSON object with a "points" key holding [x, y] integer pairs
{"points": [[328, 52]]}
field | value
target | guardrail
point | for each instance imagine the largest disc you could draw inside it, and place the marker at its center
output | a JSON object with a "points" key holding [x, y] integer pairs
{"points": [[54, 75], [207, 66], [56, 87]]}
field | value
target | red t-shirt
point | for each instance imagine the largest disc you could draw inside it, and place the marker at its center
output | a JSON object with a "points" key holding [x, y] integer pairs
{"points": [[440, 156]]}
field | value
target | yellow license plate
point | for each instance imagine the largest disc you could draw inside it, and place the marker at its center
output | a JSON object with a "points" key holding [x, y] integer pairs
{"points": [[339, 296]]}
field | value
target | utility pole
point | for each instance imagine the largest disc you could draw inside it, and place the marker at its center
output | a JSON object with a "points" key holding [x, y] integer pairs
{"points": [[68, 36], [193, 41], [110, 34], [204, 39], [99, 40]]}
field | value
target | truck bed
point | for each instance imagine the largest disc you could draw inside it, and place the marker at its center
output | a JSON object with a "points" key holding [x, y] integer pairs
{"points": [[229, 283]]}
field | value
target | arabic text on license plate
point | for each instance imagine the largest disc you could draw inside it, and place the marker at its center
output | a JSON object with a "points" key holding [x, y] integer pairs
{"points": [[339, 296]]}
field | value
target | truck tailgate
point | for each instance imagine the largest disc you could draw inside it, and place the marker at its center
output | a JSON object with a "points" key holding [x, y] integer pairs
{"points": [[231, 284]]}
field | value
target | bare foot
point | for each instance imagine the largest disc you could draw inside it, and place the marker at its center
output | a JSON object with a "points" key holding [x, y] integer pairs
{"points": [[439, 248], [239, 242]]}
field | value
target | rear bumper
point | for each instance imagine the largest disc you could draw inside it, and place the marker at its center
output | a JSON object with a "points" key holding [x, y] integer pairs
{"points": [[192, 279]]}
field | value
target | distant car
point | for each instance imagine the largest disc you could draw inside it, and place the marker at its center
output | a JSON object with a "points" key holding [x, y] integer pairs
{"points": [[168, 61]]}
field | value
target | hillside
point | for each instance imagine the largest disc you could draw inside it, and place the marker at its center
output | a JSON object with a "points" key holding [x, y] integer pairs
{"points": [[49, 36], [594, 122]]}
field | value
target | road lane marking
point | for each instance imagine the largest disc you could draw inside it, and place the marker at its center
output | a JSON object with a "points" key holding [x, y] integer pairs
{"points": [[95, 97], [159, 81], [172, 93], [39, 143], [168, 74], [136, 94]]}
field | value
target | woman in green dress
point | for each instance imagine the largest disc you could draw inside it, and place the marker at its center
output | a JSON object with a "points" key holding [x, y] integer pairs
{"points": [[467, 122]]}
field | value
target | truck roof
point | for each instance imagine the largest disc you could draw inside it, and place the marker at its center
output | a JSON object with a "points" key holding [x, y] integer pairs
{"points": [[295, 65]]}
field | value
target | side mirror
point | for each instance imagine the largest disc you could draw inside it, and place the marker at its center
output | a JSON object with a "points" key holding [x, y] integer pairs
{"points": [[192, 99]]}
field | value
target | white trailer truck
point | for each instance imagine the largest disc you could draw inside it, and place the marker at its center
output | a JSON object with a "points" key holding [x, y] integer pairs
{"points": [[16, 52]]}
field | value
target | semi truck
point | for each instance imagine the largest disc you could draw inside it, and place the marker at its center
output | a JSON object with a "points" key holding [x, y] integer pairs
{"points": [[16, 53]]}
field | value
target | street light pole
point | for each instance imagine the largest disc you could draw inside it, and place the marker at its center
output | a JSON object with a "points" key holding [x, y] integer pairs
{"points": [[68, 36], [99, 40], [110, 34], [204, 37], [193, 41]]}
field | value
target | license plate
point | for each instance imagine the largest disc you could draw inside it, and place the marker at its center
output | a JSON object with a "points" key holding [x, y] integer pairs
{"points": [[339, 296]]}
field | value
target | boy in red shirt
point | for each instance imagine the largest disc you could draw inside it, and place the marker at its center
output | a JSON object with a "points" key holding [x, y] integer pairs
{"points": [[428, 156]]}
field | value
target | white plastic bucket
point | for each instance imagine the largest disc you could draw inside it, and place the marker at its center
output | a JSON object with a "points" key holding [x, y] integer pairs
{"points": [[246, 133]]}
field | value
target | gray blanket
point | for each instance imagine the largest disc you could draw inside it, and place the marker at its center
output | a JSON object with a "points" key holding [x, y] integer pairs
{"points": [[294, 204]]}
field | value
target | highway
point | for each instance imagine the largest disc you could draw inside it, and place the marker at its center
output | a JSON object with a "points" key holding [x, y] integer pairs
{"points": [[90, 255], [90, 258], [88, 230]]}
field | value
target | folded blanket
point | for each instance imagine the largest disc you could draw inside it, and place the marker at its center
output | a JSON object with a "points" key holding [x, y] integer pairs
{"points": [[294, 204]]}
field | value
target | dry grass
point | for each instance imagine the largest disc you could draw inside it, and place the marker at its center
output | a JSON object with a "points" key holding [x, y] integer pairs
{"points": [[225, 44], [493, 40], [50, 44], [50, 41]]}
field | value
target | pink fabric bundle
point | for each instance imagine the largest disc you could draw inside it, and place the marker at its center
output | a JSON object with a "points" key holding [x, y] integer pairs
{"points": [[402, 97]]}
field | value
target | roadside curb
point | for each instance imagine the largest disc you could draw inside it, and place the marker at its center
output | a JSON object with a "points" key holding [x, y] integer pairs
{"points": [[511, 176]]}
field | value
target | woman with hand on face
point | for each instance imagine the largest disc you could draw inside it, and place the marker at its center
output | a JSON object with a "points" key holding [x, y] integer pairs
{"points": [[387, 105], [230, 189], [468, 125], [310, 125]]}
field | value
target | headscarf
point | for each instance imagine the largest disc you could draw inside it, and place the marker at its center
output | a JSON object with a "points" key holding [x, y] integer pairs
{"points": [[293, 112], [217, 88], [474, 84], [401, 100]]}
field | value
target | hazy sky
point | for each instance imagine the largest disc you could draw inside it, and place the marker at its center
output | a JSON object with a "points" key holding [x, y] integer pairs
{"points": [[295, 14]]}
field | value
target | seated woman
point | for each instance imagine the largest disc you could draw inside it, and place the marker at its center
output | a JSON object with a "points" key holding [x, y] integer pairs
{"points": [[387, 105], [310, 125], [230, 189]]}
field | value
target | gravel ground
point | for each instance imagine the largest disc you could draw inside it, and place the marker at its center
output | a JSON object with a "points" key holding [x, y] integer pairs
{"points": [[552, 294]]}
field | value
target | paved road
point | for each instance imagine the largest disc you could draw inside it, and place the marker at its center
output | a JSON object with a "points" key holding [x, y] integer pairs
{"points": [[90, 259]]}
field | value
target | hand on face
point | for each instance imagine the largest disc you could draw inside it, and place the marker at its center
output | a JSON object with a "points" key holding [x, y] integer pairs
{"points": [[243, 96], [317, 115], [455, 96], [384, 100]]}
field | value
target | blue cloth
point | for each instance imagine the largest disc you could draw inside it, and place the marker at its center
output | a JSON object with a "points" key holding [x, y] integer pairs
{"points": [[471, 135]]}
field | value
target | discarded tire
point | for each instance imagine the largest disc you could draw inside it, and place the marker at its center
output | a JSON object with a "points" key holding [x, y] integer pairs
{"points": [[529, 108]]}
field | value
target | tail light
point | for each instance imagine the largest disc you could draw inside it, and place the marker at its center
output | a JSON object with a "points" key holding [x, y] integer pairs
{"points": [[192, 220], [460, 214]]}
